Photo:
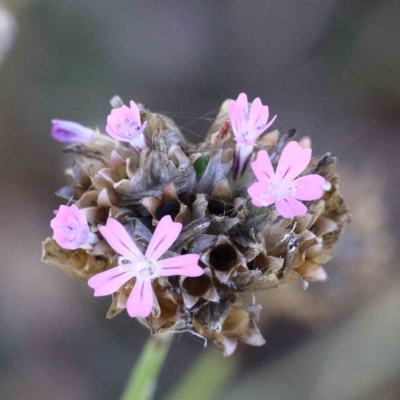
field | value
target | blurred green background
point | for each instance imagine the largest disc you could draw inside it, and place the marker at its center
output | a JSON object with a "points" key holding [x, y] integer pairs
{"points": [[329, 68]]}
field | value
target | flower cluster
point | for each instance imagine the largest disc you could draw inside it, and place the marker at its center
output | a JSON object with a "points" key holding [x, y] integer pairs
{"points": [[178, 232]]}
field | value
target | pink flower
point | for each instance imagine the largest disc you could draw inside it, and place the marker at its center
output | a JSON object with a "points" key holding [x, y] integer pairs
{"points": [[71, 230], [71, 132], [248, 123], [124, 124], [133, 264], [281, 187]]}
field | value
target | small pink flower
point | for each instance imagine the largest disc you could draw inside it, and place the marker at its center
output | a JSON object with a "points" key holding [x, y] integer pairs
{"points": [[124, 124], [71, 230], [281, 187], [133, 264], [71, 132], [248, 123]]}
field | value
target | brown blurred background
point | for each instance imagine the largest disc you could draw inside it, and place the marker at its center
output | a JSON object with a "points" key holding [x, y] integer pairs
{"points": [[329, 68]]}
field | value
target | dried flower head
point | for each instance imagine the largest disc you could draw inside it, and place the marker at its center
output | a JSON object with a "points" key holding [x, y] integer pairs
{"points": [[178, 232]]}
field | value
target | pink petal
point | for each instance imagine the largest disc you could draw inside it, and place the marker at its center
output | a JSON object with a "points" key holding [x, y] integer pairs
{"points": [[270, 122], [258, 120], [164, 236], [78, 240], [247, 142], [104, 277], [118, 238], [140, 301], [78, 214], [262, 167], [67, 213], [258, 116], [135, 112], [186, 265], [238, 114], [112, 285], [309, 187], [122, 113], [261, 189], [294, 160], [110, 128], [139, 131], [242, 103], [289, 207], [232, 106]]}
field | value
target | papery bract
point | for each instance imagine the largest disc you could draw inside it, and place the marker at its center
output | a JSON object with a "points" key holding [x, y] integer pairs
{"points": [[124, 124], [71, 229], [281, 187], [133, 264], [248, 123], [71, 132]]}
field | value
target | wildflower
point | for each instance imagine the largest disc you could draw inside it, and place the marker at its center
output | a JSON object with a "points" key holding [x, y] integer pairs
{"points": [[145, 268], [71, 132], [124, 124], [248, 123], [281, 187], [71, 229]]}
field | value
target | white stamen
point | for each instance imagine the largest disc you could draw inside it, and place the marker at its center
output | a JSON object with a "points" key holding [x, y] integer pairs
{"points": [[327, 186], [146, 269], [280, 188]]}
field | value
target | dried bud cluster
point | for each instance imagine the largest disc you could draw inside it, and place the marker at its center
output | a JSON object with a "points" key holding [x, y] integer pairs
{"points": [[242, 248]]}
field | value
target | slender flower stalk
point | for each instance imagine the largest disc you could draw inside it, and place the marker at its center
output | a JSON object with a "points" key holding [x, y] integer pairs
{"points": [[205, 379], [143, 381]]}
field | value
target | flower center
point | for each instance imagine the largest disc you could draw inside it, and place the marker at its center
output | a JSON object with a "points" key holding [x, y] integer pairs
{"points": [[128, 128], [145, 269], [280, 189], [73, 231]]}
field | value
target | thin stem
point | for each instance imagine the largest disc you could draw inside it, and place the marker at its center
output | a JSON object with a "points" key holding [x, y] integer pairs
{"points": [[143, 380], [205, 378]]}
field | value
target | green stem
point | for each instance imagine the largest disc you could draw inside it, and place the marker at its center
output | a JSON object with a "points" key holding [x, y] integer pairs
{"points": [[143, 380], [205, 378]]}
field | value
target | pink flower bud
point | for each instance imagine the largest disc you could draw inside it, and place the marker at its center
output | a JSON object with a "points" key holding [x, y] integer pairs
{"points": [[71, 132]]}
